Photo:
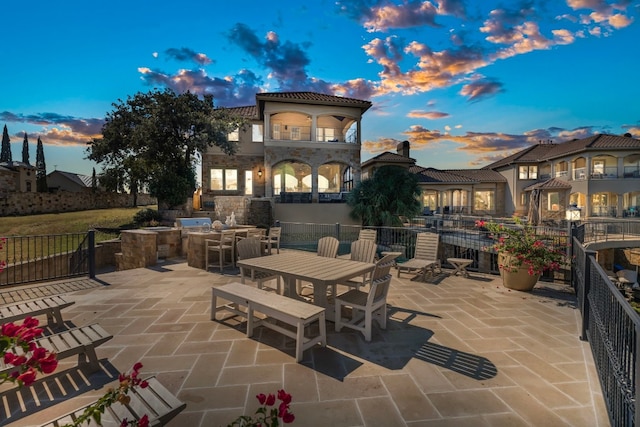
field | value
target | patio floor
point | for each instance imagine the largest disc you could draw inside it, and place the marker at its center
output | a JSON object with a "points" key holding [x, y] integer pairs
{"points": [[457, 352]]}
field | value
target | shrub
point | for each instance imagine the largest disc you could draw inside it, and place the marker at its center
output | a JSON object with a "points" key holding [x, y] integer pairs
{"points": [[146, 216]]}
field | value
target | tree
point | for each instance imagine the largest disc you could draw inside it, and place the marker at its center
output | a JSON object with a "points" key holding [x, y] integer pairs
{"points": [[155, 138], [25, 150], [41, 169], [390, 193], [5, 154], [94, 181]]}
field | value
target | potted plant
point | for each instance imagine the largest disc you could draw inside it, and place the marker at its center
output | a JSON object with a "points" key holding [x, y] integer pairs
{"points": [[522, 254]]}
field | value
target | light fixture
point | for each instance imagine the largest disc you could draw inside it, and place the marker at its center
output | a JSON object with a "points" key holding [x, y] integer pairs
{"points": [[573, 213], [259, 172]]}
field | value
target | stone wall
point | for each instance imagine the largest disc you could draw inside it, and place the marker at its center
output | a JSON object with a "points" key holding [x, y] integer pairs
{"points": [[15, 203]]}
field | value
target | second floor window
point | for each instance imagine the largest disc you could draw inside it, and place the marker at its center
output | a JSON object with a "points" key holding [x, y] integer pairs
{"points": [[234, 136], [528, 172], [224, 179]]}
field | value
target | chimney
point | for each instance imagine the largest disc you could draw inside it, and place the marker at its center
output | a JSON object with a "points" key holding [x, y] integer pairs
{"points": [[403, 149]]}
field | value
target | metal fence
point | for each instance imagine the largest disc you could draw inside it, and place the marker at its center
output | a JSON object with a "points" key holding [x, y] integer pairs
{"points": [[47, 257], [612, 328]]}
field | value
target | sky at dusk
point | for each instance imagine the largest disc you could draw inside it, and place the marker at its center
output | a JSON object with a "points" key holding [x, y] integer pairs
{"points": [[466, 82]]}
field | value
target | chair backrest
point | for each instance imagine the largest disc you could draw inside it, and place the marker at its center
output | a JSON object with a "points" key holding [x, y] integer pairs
{"points": [[427, 246], [363, 250], [274, 232], [381, 279], [328, 247], [249, 248], [368, 234], [256, 232]]}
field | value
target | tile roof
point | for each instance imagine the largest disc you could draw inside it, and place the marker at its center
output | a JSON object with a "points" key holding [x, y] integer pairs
{"points": [[479, 175], [543, 152], [247, 111], [81, 180], [550, 184], [312, 97], [389, 157], [436, 175]]}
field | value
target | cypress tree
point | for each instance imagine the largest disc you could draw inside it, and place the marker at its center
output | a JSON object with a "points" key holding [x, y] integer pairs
{"points": [[5, 154], [94, 181], [25, 150], [41, 169]]}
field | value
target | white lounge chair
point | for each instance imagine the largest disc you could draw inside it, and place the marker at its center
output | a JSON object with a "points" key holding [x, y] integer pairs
{"points": [[426, 256]]}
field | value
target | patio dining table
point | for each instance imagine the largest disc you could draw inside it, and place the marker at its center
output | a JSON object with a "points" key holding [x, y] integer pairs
{"points": [[321, 272]]}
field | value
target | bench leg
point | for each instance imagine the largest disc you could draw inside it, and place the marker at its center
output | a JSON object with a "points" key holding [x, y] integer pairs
{"points": [[89, 358], [299, 340], [250, 319], [54, 317], [214, 305], [323, 330]]}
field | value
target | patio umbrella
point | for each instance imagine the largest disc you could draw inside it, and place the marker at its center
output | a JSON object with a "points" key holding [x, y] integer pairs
{"points": [[534, 207]]}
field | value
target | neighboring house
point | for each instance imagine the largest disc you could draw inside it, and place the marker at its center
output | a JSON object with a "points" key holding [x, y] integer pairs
{"points": [[454, 191], [299, 147], [69, 181], [599, 174], [17, 177]]}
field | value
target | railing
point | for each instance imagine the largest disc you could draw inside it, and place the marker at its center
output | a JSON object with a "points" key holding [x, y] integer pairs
{"points": [[604, 231], [579, 173], [460, 238], [612, 328], [39, 258], [562, 174], [609, 172], [632, 171], [610, 211]]}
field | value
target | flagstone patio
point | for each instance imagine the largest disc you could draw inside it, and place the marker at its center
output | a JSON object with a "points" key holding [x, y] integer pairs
{"points": [[457, 352]]}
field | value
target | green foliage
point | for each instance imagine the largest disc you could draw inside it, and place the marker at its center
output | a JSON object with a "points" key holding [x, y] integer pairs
{"points": [[41, 169], [146, 216], [392, 192], [154, 139], [25, 150], [5, 153]]}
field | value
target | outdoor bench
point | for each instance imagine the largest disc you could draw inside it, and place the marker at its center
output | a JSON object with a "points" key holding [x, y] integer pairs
{"points": [[158, 403], [80, 341], [50, 306], [298, 314]]}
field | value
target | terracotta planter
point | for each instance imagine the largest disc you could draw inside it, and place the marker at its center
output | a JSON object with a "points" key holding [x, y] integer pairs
{"points": [[518, 280]]}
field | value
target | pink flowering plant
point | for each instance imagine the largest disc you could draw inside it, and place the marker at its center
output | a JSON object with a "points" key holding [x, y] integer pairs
{"points": [[524, 247], [268, 415], [21, 353]]}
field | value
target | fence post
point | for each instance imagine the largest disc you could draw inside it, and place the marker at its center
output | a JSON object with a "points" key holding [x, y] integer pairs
{"points": [[92, 254], [586, 287], [338, 231]]}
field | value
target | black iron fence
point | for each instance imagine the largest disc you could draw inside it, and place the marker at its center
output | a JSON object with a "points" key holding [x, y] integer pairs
{"points": [[48, 257], [612, 328]]}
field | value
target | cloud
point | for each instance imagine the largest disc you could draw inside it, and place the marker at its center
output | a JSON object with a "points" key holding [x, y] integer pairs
{"points": [[381, 145], [481, 89], [186, 54], [431, 115], [286, 61], [57, 129], [231, 91]]}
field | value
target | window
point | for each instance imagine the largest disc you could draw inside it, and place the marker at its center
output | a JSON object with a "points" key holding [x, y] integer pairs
{"points": [[347, 179], [224, 179], [598, 167], [296, 135], [553, 201], [524, 199], [256, 133], [234, 136], [276, 131], [326, 135], [528, 172], [430, 200], [248, 183], [484, 200]]}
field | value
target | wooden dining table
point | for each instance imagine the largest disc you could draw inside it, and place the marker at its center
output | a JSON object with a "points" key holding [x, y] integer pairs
{"points": [[321, 272]]}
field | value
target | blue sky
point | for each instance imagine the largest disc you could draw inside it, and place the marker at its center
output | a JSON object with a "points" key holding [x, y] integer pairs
{"points": [[466, 82]]}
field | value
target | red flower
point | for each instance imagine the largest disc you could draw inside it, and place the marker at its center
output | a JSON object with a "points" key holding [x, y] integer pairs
{"points": [[284, 396], [261, 398], [271, 399], [137, 367], [144, 421], [49, 363], [288, 417], [27, 378]]}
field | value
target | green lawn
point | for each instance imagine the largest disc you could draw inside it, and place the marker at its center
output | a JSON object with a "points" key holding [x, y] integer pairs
{"points": [[70, 222]]}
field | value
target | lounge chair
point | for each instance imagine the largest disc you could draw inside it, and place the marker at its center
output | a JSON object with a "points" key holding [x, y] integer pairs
{"points": [[426, 256]]}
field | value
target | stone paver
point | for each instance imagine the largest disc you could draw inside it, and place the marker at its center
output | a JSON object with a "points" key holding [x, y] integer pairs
{"points": [[457, 352]]}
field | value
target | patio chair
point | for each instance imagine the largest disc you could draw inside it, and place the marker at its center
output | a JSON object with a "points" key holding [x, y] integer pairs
{"points": [[328, 248], [223, 246], [426, 256], [368, 234], [273, 239], [367, 306], [364, 251], [252, 248]]}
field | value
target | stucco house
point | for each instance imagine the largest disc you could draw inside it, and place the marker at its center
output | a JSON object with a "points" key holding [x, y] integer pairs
{"points": [[448, 191], [599, 174], [17, 177], [299, 147]]}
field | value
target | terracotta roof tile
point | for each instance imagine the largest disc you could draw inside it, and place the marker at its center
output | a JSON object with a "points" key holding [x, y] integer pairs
{"points": [[247, 111], [550, 184], [311, 97], [479, 175], [389, 157]]}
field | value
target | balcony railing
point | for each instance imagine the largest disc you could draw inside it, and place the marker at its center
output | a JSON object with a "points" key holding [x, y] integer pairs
{"points": [[632, 171], [606, 173], [562, 174], [579, 174], [287, 132]]}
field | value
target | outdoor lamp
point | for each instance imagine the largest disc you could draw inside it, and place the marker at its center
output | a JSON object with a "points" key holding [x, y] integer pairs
{"points": [[573, 213], [259, 172]]}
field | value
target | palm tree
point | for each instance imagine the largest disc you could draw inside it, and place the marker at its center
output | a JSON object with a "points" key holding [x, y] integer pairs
{"points": [[390, 193]]}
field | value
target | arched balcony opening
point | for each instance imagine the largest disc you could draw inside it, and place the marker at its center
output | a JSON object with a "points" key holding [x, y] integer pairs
{"points": [[290, 126], [292, 182]]}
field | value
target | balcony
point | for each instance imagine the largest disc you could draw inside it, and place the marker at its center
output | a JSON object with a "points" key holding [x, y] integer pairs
{"points": [[606, 173], [287, 132]]}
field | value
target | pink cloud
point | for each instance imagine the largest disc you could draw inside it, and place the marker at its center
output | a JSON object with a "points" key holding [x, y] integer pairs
{"points": [[431, 115]]}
